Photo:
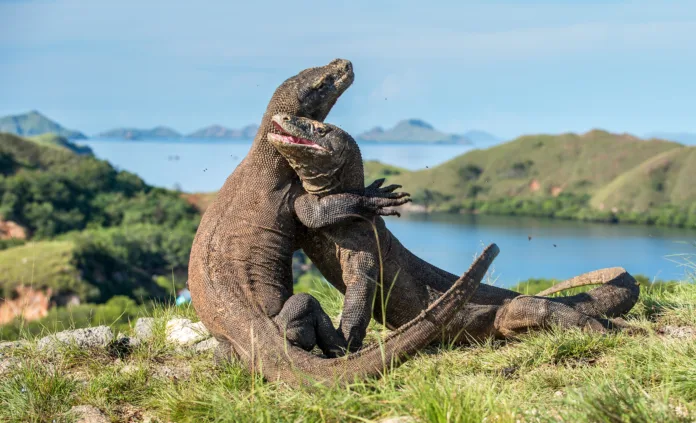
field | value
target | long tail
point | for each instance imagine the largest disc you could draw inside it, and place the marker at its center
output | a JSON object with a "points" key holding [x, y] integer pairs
{"points": [[261, 346], [617, 295]]}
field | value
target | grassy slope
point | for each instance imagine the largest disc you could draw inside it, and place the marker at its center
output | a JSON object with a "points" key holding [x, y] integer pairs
{"points": [[40, 265], [56, 141], [34, 154], [553, 376], [668, 178], [581, 164]]}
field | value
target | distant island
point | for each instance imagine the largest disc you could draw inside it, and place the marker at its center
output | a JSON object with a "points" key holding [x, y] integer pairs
{"points": [[220, 132], [412, 130], [139, 134], [409, 130], [34, 123]]}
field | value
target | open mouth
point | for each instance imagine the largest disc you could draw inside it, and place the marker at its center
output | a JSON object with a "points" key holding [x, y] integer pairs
{"points": [[286, 138]]}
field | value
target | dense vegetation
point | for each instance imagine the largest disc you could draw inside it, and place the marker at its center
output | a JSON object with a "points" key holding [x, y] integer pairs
{"points": [[96, 232], [597, 176]]}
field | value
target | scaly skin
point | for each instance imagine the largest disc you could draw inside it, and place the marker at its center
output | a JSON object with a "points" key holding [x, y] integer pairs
{"points": [[240, 274], [348, 255]]}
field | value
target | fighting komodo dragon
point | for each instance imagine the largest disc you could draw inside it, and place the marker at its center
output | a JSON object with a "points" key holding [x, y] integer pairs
{"points": [[240, 274], [328, 162]]}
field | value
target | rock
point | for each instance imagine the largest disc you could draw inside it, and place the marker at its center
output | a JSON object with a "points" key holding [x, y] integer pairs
{"points": [[144, 328], [173, 372], [207, 345], [183, 332], [681, 332], [88, 414], [11, 345], [7, 365], [99, 336], [129, 369]]}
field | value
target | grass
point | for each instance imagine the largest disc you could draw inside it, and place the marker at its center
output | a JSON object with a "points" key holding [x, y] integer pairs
{"points": [[545, 376], [40, 264]]}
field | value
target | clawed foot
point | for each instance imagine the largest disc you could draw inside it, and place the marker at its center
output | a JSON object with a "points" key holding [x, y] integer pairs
{"points": [[378, 198], [378, 205], [376, 189]]}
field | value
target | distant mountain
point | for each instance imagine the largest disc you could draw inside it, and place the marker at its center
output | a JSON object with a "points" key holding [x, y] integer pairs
{"points": [[481, 138], [139, 134], [34, 123], [220, 132], [683, 137], [412, 130]]}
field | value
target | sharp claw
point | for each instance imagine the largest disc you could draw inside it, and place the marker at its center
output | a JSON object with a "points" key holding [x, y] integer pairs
{"points": [[377, 183], [383, 212], [390, 188]]}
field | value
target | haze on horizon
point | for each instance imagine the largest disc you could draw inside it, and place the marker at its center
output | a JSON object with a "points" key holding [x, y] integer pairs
{"points": [[506, 67]]}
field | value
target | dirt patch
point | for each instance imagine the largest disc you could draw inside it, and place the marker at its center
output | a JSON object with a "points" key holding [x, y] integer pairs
{"points": [[11, 230], [678, 332], [32, 304]]}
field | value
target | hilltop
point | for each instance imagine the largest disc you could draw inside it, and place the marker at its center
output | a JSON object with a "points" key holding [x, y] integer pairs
{"points": [[137, 134], [34, 123], [220, 132], [56, 141], [596, 175], [412, 130]]}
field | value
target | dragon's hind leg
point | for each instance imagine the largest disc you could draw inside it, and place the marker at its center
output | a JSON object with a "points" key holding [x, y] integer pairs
{"points": [[305, 324]]}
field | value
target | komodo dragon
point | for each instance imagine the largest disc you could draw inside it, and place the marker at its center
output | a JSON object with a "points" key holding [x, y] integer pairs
{"points": [[347, 255], [240, 273]]}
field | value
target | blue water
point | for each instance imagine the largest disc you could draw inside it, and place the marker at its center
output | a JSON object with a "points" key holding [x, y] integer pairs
{"points": [[449, 241], [557, 249]]}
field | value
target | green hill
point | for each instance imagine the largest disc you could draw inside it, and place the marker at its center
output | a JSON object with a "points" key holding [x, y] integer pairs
{"points": [[56, 141], [94, 231], [597, 176], [668, 178], [34, 123]]}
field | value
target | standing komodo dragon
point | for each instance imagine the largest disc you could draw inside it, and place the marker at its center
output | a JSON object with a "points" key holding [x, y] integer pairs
{"points": [[328, 162], [240, 273]]}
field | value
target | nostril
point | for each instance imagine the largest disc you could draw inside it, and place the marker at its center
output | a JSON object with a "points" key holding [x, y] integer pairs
{"points": [[286, 118]]}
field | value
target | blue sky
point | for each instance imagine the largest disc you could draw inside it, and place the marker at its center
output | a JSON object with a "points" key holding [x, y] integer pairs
{"points": [[509, 68]]}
